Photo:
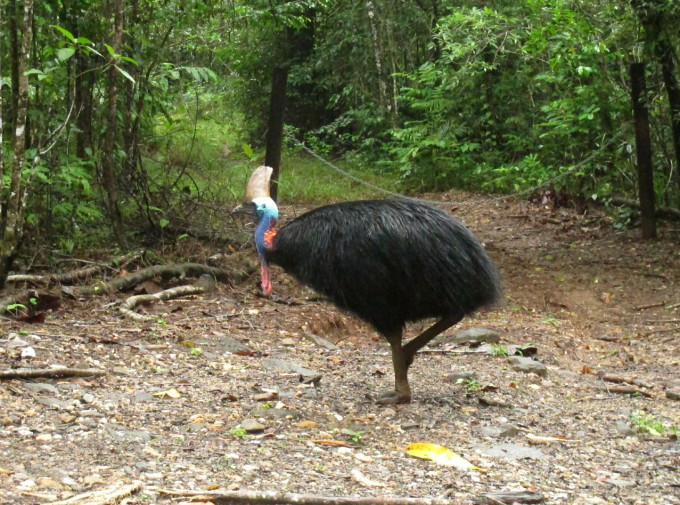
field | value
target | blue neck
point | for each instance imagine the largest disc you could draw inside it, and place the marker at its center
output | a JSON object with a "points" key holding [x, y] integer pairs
{"points": [[264, 224]]}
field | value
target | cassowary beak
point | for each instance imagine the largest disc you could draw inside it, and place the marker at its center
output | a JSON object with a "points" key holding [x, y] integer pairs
{"points": [[246, 208]]}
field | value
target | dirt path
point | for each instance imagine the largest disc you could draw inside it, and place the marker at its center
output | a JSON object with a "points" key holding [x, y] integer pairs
{"points": [[588, 298]]}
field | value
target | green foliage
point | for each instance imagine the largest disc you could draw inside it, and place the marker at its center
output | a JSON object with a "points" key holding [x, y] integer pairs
{"points": [[238, 433], [650, 425], [516, 99], [499, 351]]}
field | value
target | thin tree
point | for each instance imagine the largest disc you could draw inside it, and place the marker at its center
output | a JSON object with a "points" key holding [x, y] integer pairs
{"points": [[108, 147], [643, 146], [12, 226]]}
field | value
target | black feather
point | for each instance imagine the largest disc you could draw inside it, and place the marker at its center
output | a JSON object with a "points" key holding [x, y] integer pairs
{"points": [[388, 261]]}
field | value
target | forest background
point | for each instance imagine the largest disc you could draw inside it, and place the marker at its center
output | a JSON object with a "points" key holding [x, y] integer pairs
{"points": [[125, 121]]}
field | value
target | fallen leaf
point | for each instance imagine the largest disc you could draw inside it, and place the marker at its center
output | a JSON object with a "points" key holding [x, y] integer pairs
{"points": [[336, 443], [440, 455], [365, 481], [536, 439], [306, 424], [170, 393]]}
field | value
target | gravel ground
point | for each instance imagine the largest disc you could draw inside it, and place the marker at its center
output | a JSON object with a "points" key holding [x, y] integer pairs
{"points": [[226, 392]]}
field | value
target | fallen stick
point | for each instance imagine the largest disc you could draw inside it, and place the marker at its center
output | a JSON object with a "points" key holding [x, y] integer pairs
{"points": [[108, 496], [32, 373], [279, 498], [627, 390]]}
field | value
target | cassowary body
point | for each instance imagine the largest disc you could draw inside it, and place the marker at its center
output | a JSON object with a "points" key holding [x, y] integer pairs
{"points": [[388, 262]]}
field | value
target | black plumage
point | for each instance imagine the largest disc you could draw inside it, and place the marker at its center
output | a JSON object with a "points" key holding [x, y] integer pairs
{"points": [[387, 261]]}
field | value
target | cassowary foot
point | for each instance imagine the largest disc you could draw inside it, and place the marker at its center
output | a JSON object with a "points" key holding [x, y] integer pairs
{"points": [[393, 398]]}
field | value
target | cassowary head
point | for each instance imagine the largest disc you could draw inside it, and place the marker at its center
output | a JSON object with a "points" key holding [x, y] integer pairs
{"points": [[265, 213]]}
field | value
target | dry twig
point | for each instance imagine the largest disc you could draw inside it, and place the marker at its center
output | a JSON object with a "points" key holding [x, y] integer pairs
{"points": [[32, 373]]}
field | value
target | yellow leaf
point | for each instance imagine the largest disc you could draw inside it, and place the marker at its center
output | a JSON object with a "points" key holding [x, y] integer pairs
{"points": [[440, 455], [306, 424], [170, 393]]}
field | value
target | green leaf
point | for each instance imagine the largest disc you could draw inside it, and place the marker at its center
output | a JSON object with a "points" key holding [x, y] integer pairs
{"points": [[247, 150], [125, 74], [65, 33], [163, 222], [65, 53], [110, 50]]}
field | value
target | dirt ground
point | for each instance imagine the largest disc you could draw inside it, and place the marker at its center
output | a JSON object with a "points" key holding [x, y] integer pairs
{"points": [[210, 397]]}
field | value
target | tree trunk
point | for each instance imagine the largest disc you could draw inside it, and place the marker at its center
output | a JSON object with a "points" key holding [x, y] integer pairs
{"points": [[12, 230], [665, 55], [378, 55], [108, 160], [277, 105], [643, 146]]}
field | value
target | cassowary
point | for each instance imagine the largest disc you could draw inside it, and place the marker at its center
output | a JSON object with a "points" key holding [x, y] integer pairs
{"points": [[387, 261]]}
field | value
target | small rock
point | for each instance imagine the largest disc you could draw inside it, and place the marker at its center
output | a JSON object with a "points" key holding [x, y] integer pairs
{"points": [[504, 431], [88, 398], [252, 425], [624, 428], [265, 397], [410, 426], [53, 402], [231, 345], [471, 335], [47, 482], [673, 394], [320, 341], [282, 365], [510, 451], [67, 418], [456, 377], [274, 413], [288, 342], [141, 396], [41, 387], [44, 437], [28, 352], [388, 412], [527, 365]]}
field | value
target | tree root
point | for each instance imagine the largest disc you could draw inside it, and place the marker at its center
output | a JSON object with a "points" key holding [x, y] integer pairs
{"points": [[202, 286]]}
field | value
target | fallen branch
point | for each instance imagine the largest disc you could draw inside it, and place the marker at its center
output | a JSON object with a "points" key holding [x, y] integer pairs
{"points": [[168, 271], [32, 373], [167, 294], [520, 497], [279, 498], [665, 212], [628, 390], [74, 276], [110, 495]]}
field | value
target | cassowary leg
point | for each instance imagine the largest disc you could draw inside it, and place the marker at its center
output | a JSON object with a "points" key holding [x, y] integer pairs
{"points": [[411, 348], [402, 391]]}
